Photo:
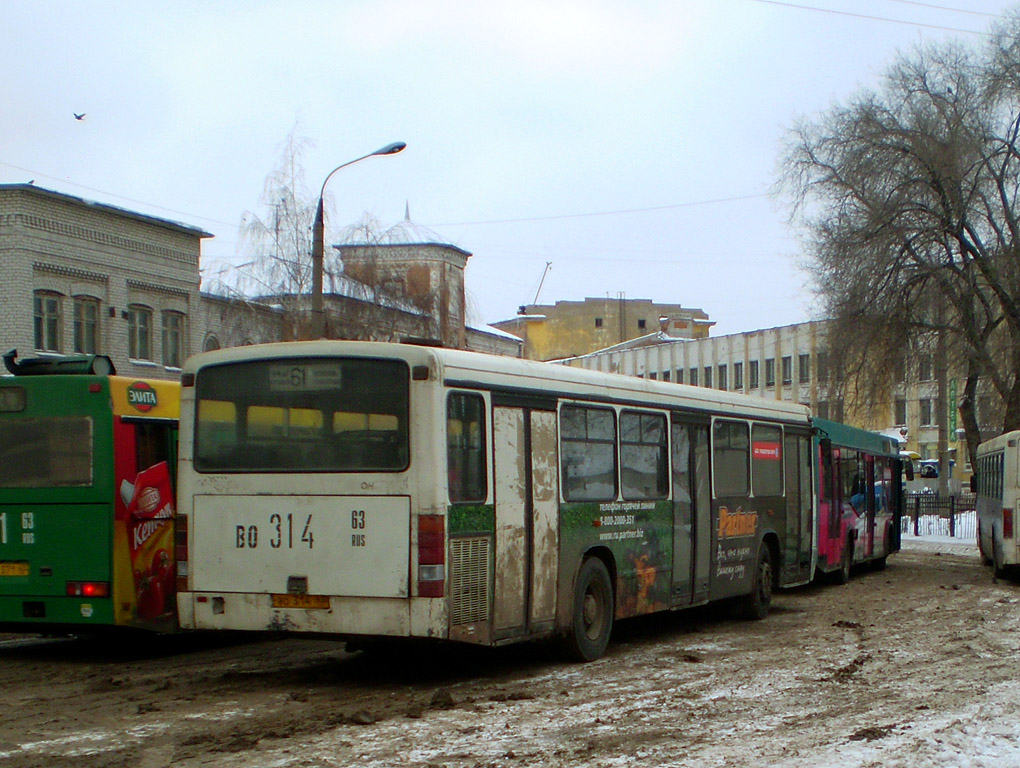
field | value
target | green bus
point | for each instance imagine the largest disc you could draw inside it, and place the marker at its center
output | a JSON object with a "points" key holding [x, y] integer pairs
{"points": [[86, 497]]}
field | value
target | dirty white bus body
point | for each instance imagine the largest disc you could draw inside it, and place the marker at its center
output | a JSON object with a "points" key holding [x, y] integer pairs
{"points": [[368, 489], [998, 490]]}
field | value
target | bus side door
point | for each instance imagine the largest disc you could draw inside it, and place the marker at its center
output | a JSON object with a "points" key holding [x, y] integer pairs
{"points": [[692, 514], [797, 566], [527, 531]]}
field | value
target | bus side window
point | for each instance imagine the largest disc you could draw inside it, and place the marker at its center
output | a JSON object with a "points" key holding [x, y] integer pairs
{"points": [[465, 447], [766, 460], [731, 458], [643, 456], [588, 453]]}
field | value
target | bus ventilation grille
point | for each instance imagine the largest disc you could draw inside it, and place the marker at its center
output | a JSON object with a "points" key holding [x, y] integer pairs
{"points": [[469, 577]]}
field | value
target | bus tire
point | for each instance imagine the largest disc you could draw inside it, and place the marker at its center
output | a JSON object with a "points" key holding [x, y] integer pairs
{"points": [[843, 573], [985, 559], [592, 612], [878, 564], [755, 606], [998, 569]]}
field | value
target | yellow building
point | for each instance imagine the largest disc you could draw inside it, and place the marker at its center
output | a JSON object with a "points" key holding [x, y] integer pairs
{"points": [[573, 328]]}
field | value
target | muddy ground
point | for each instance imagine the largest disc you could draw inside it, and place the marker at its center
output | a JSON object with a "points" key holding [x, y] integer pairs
{"points": [[888, 670]]}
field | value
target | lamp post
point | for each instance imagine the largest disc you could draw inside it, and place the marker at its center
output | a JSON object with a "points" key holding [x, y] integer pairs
{"points": [[319, 237]]}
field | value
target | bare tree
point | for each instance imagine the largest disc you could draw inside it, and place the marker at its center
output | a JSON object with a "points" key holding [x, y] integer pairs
{"points": [[909, 199], [280, 240]]}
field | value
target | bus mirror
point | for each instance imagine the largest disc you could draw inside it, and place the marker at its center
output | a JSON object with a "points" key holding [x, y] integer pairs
{"points": [[908, 469], [973, 483]]}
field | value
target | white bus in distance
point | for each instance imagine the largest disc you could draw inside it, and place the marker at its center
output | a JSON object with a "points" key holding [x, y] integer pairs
{"points": [[374, 490], [997, 477]]}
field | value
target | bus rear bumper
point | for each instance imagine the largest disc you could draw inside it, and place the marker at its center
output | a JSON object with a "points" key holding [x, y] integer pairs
{"points": [[353, 616], [38, 613]]}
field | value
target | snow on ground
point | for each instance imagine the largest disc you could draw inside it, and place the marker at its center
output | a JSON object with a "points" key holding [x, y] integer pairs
{"points": [[981, 734], [986, 736]]}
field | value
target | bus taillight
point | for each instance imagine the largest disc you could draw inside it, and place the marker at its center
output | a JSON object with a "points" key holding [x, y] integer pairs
{"points": [[181, 552], [88, 589], [1007, 523], [431, 556]]}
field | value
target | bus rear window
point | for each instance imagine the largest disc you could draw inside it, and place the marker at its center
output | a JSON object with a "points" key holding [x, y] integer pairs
{"points": [[302, 415], [12, 399], [46, 453]]}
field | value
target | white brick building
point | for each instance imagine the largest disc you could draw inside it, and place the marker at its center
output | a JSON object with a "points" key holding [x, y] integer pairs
{"points": [[85, 277]]}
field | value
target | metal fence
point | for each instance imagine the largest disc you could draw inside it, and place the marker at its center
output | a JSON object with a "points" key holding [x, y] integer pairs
{"points": [[928, 514]]}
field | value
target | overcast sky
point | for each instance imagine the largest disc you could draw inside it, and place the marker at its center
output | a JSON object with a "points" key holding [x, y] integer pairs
{"points": [[631, 144]]}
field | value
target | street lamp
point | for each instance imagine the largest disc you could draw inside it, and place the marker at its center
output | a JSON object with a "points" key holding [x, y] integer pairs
{"points": [[319, 237]]}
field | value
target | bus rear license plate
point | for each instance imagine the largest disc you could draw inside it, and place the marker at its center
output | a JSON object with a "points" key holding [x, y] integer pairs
{"points": [[301, 601], [14, 569]]}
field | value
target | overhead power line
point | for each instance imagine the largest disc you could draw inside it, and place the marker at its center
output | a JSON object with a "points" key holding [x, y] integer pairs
{"points": [[617, 212], [870, 17], [945, 8]]}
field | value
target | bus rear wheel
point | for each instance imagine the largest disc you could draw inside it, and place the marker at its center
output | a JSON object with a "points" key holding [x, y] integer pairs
{"points": [[592, 614], [998, 569], [755, 606], [842, 574], [985, 559]]}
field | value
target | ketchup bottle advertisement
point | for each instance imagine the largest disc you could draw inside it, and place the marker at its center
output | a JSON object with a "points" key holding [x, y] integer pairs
{"points": [[150, 528]]}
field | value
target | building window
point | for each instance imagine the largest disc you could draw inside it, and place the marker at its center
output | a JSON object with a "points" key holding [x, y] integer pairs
{"points": [[211, 343], [900, 417], [679, 375], [752, 375], [770, 372], [722, 377], [708, 376], [598, 322], [822, 409], [738, 375], [641, 324], [693, 373], [653, 375], [984, 411], [924, 367], [787, 369], [139, 332], [86, 325], [804, 368], [822, 361], [665, 375], [926, 412], [173, 339], [47, 321]]}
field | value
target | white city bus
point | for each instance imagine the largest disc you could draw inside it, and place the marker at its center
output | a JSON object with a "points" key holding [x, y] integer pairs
{"points": [[998, 489], [391, 490]]}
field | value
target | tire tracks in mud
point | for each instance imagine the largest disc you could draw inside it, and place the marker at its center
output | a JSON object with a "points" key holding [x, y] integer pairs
{"points": [[832, 668]]}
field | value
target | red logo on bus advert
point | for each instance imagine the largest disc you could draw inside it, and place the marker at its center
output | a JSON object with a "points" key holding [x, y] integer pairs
{"points": [[141, 396], [766, 451]]}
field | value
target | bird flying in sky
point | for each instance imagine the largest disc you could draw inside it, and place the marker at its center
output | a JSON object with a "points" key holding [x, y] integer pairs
{"points": [[79, 117]]}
